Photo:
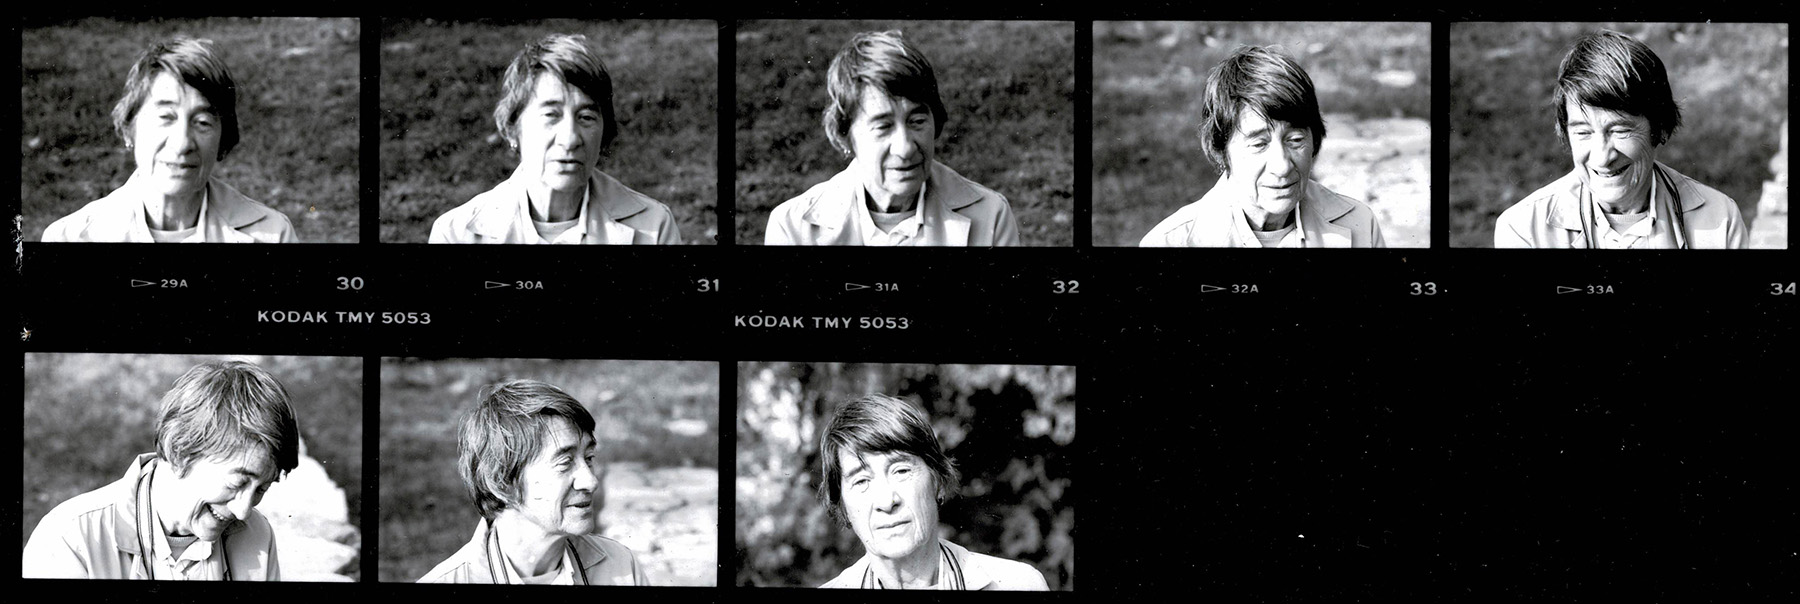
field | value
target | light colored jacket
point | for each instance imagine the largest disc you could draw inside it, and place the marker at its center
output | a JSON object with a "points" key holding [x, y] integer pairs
{"points": [[227, 217], [958, 212], [614, 214], [95, 536], [1327, 219], [606, 562], [980, 572], [1551, 217]]}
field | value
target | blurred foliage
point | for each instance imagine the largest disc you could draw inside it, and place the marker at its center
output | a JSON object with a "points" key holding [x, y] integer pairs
{"points": [[1010, 430], [1149, 77], [1008, 87], [1730, 79], [660, 413], [298, 95], [440, 81], [88, 415]]}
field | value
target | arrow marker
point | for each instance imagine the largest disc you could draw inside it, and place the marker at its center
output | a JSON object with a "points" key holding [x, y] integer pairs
{"points": [[1207, 289], [850, 287], [1564, 289], [497, 285], [141, 283]]}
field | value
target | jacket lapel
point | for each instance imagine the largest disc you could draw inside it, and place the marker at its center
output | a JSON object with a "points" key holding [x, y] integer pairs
{"points": [[1322, 210], [946, 197], [834, 211], [615, 203], [975, 578], [228, 211]]}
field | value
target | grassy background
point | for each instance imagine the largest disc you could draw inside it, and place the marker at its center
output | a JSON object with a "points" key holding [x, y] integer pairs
{"points": [[440, 81], [426, 514], [88, 415], [1008, 87], [1148, 77], [1730, 79], [297, 114], [1008, 429]]}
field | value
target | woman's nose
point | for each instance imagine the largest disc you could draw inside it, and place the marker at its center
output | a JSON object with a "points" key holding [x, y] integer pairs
{"points": [[568, 134], [1282, 163], [586, 477], [906, 146]]}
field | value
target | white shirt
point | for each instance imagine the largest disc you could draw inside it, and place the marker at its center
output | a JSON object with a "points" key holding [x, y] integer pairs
{"points": [[903, 234]]}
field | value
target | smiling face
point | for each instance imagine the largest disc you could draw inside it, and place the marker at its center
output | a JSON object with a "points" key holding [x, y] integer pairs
{"points": [[891, 501], [560, 133], [175, 138], [559, 488], [214, 494], [1613, 154], [893, 139], [1270, 160]]}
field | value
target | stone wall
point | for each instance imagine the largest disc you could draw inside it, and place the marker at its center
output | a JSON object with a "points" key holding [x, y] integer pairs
{"points": [[1769, 228], [311, 518]]}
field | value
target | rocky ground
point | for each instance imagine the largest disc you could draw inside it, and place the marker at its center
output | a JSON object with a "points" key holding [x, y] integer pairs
{"points": [[1386, 162], [669, 517], [1769, 227], [312, 525]]}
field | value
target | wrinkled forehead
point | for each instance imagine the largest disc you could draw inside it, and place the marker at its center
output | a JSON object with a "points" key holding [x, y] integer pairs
{"points": [[167, 88], [851, 461], [1591, 115], [876, 102], [252, 462], [1251, 121], [549, 87], [560, 433]]}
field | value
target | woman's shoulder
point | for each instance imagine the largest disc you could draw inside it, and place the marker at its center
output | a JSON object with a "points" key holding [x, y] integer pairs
{"points": [[1000, 573], [109, 214]]}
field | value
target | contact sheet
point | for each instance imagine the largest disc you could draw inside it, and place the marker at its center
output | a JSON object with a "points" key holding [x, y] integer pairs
{"points": [[755, 398]]}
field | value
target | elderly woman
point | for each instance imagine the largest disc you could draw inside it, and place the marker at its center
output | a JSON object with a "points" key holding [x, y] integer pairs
{"points": [[178, 118], [556, 111], [1261, 127], [528, 457], [186, 512], [1615, 109], [885, 475], [884, 117]]}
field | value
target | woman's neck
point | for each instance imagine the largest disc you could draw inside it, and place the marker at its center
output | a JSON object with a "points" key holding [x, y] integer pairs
{"points": [[162, 492], [551, 205], [173, 212], [529, 549], [917, 570], [1261, 220]]}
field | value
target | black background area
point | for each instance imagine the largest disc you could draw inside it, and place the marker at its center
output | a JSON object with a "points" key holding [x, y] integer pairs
{"points": [[1326, 435]]}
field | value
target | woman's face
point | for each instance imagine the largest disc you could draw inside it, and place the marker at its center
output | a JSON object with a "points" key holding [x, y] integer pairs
{"points": [[893, 139], [1612, 153], [1270, 161], [891, 500], [559, 489], [175, 138], [215, 493], [560, 133]]}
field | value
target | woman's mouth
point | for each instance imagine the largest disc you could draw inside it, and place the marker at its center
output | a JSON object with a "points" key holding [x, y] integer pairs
{"points": [[1613, 173]]}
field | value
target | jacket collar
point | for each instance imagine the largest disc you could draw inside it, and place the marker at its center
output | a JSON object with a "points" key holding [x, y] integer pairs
{"points": [[591, 555], [1317, 215], [941, 220], [223, 213], [1565, 206], [975, 577], [509, 207]]}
